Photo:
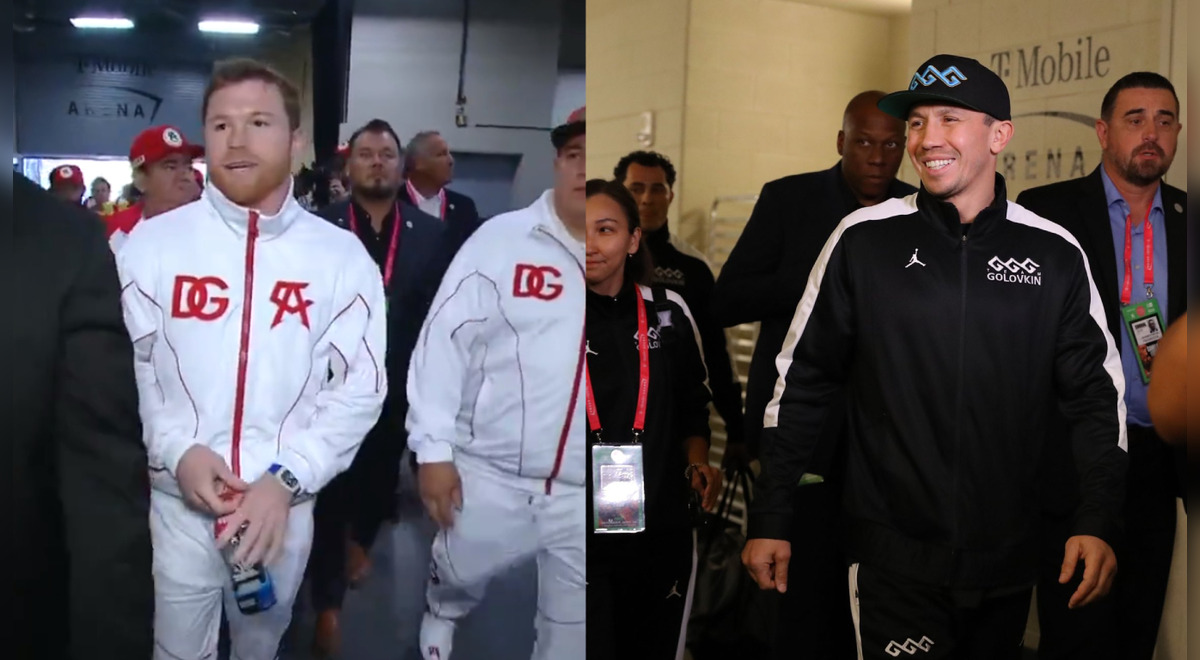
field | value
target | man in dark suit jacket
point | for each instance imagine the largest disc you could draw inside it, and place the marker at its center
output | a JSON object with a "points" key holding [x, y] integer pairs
{"points": [[1138, 130], [763, 280], [82, 558], [428, 169], [413, 250]]}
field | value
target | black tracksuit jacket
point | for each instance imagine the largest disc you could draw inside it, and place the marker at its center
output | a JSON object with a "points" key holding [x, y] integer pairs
{"points": [[691, 278], [954, 344], [676, 404]]}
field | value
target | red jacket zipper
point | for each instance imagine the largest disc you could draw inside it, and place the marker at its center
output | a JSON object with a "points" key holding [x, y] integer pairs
{"points": [[239, 400], [566, 430]]}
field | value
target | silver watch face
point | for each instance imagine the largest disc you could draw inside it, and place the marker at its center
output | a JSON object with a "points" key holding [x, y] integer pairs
{"points": [[289, 479]]}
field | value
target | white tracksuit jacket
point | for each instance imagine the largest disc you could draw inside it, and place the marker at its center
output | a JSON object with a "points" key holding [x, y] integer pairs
{"points": [[262, 338], [497, 373]]}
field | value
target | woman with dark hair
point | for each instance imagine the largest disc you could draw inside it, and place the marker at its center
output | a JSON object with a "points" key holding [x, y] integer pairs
{"points": [[648, 442]]}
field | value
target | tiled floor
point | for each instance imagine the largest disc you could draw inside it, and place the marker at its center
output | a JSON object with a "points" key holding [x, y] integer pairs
{"points": [[381, 619]]}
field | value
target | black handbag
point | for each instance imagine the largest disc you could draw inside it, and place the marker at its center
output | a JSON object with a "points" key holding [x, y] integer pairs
{"points": [[731, 617]]}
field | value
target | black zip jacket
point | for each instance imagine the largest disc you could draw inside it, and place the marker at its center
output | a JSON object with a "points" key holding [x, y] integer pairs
{"points": [[691, 278], [676, 404], [764, 276], [424, 251], [954, 344]]}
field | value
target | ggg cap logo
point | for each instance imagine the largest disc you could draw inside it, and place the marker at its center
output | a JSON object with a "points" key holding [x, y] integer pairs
{"points": [[951, 77], [66, 172], [172, 138]]}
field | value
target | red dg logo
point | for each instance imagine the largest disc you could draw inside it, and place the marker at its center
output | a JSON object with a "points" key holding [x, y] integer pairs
{"points": [[192, 298], [534, 282]]}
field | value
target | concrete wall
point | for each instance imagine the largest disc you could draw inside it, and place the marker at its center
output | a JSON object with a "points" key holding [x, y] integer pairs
{"points": [[767, 82], [741, 91], [404, 59], [571, 93], [636, 63]]}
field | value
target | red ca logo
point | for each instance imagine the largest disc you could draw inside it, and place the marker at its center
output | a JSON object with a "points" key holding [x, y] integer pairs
{"points": [[531, 282], [192, 297], [289, 299]]}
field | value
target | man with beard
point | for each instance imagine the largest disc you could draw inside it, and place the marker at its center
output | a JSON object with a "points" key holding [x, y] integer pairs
{"points": [[428, 169], [1133, 228], [161, 159], [259, 336], [496, 415], [405, 244]]}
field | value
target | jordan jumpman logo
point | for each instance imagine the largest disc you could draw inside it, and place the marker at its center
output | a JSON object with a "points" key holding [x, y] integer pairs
{"points": [[674, 590], [915, 260]]}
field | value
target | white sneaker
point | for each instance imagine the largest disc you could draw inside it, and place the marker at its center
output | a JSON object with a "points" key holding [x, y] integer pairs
{"points": [[437, 636]]}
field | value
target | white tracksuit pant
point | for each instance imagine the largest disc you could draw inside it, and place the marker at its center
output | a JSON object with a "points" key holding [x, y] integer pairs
{"points": [[192, 581], [504, 521]]}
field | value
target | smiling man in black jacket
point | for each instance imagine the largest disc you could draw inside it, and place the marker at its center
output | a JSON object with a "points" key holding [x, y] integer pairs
{"points": [[955, 322]]}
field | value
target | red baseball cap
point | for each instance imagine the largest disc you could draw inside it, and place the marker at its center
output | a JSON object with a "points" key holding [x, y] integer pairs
{"points": [[159, 142], [67, 174], [574, 126]]}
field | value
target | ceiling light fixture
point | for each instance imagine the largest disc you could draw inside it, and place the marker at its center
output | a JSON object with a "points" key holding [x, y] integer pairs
{"points": [[229, 27], [101, 23]]}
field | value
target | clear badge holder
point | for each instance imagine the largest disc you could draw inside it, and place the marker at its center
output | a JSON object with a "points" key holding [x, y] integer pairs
{"points": [[619, 495]]}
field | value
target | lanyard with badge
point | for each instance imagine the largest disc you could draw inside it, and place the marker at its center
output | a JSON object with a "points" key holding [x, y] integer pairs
{"points": [[619, 496], [415, 197], [1143, 320], [390, 260]]}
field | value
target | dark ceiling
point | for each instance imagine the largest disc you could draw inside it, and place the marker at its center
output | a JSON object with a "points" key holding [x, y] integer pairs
{"points": [[165, 14]]}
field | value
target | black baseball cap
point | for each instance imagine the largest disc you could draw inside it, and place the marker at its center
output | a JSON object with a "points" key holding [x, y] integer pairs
{"points": [[953, 80], [574, 126]]}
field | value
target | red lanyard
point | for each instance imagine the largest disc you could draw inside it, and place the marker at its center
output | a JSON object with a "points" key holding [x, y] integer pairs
{"points": [[416, 197], [1147, 258], [639, 419], [391, 253]]}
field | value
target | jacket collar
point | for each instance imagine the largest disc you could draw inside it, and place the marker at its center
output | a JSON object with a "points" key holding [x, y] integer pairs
{"points": [[945, 214], [549, 223], [237, 217], [659, 238]]}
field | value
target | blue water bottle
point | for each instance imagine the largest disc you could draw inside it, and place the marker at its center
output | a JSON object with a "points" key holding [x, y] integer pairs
{"points": [[253, 588]]}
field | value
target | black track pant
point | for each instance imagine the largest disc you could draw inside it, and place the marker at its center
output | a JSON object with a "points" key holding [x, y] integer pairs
{"points": [[1124, 624], [357, 502], [899, 618], [814, 614], [636, 606]]}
